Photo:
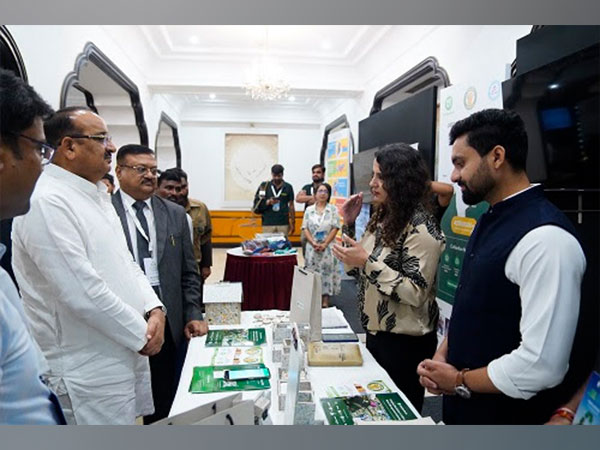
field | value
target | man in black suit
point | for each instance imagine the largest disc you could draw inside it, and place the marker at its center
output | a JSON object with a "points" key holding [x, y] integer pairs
{"points": [[158, 236]]}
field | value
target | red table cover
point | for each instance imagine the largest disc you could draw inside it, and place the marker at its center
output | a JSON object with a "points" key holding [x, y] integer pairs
{"points": [[266, 280]]}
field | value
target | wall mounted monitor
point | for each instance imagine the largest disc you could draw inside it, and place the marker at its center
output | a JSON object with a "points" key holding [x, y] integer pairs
{"points": [[411, 121], [560, 103]]}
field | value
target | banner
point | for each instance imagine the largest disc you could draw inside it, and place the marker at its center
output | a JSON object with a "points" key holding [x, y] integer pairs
{"points": [[456, 103]]}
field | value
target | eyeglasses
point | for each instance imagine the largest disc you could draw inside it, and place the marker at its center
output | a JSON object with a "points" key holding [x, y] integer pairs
{"points": [[104, 139], [43, 149], [141, 170]]}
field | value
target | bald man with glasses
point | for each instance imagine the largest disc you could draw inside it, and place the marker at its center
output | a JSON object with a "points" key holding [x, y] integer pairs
{"points": [[96, 316]]}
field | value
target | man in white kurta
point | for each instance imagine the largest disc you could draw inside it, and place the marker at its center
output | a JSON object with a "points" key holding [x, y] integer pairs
{"points": [[84, 295]]}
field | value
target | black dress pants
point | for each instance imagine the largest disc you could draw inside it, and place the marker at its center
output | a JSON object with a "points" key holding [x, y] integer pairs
{"points": [[399, 355], [163, 368]]}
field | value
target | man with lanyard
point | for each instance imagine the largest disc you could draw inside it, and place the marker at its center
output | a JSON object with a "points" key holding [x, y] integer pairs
{"points": [[517, 302], [158, 236], [24, 398], [307, 193], [274, 200]]}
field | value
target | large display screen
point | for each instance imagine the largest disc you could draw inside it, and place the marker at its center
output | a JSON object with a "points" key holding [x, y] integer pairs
{"points": [[560, 104]]}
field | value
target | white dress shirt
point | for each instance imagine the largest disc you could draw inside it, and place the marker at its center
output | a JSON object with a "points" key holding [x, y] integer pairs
{"points": [[548, 265], [84, 294]]}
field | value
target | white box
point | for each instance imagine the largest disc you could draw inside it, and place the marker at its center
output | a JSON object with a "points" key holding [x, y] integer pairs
{"points": [[223, 303]]}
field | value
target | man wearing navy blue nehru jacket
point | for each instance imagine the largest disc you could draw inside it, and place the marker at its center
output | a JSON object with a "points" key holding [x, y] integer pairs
{"points": [[517, 303], [158, 236]]}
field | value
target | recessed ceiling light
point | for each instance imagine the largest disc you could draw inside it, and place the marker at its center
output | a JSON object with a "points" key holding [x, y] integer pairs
{"points": [[291, 98], [194, 40], [212, 95], [326, 44], [554, 86]]}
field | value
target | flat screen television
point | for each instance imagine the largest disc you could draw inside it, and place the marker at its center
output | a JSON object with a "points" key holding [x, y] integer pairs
{"points": [[411, 121], [560, 104]]}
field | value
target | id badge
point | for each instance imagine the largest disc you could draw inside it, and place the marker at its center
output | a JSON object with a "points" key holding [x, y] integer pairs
{"points": [[151, 271], [276, 206], [320, 236]]}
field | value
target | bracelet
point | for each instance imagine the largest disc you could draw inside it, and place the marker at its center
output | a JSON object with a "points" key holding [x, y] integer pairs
{"points": [[567, 413]]}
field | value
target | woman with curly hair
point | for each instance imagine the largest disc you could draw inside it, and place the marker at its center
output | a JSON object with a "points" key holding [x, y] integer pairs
{"points": [[396, 264]]}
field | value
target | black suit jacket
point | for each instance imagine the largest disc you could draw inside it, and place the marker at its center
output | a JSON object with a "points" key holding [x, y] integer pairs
{"points": [[180, 282]]}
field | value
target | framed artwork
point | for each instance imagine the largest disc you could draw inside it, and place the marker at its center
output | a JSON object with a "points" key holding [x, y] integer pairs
{"points": [[248, 162]]}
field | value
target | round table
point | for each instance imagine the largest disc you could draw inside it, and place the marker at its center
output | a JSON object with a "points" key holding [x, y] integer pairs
{"points": [[266, 279]]}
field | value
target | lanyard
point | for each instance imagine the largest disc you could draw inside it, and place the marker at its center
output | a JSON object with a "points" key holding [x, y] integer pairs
{"points": [[276, 194], [139, 227]]}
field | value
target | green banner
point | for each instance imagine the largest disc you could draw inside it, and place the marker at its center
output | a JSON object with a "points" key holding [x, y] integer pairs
{"points": [[457, 230], [238, 337], [209, 379], [368, 408]]}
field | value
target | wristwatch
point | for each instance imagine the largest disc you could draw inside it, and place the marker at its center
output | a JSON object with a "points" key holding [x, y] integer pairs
{"points": [[460, 388]]}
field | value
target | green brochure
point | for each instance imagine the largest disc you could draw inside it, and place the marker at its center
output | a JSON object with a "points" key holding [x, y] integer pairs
{"points": [[368, 408], [239, 337], [210, 379]]}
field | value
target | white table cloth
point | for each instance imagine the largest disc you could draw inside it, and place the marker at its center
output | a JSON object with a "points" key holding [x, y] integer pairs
{"points": [[320, 377]]}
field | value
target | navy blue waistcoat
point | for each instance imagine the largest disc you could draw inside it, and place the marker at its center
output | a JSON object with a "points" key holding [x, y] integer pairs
{"points": [[487, 308]]}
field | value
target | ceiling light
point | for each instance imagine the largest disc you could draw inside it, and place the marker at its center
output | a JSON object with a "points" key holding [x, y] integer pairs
{"points": [[212, 95], [194, 40], [554, 86], [266, 80], [291, 98]]}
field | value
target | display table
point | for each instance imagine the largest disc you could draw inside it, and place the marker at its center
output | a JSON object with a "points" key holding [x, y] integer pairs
{"points": [[266, 279], [320, 377]]}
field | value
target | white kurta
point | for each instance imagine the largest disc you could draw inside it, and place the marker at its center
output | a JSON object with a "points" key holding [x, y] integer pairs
{"points": [[85, 297]]}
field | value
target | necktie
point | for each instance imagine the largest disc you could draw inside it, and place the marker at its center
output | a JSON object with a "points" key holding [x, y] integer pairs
{"points": [[143, 250]]}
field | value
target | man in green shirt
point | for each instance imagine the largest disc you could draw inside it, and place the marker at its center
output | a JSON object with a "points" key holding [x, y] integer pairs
{"points": [[274, 200], [307, 194]]}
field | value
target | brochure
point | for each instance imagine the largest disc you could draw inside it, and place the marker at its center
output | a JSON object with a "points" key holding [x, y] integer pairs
{"points": [[351, 390], [234, 356], [238, 337], [210, 379], [588, 412], [366, 408]]}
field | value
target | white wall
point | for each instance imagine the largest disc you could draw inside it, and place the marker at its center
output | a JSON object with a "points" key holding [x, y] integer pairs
{"points": [[203, 156], [461, 50], [49, 52]]}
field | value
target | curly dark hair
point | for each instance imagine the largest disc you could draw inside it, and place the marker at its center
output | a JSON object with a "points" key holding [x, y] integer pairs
{"points": [[406, 180]]}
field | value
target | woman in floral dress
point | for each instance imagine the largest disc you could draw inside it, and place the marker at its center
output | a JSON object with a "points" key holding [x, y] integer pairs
{"points": [[320, 225]]}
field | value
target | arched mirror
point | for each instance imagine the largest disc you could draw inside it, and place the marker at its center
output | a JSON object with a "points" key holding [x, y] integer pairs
{"points": [[98, 83], [424, 75], [168, 152]]}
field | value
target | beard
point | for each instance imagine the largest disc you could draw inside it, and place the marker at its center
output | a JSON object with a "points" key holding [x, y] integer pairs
{"points": [[318, 179], [479, 187]]}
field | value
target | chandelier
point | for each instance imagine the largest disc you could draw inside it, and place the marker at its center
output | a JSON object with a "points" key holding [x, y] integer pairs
{"points": [[266, 80]]}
